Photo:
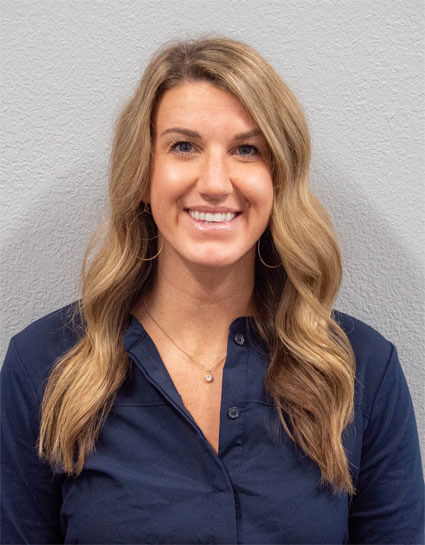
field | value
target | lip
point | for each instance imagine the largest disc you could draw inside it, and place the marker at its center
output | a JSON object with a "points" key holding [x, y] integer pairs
{"points": [[213, 210], [222, 226]]}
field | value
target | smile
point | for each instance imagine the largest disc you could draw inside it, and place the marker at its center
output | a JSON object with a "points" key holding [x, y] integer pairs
{"points": [[210, 217], [213, 221]]}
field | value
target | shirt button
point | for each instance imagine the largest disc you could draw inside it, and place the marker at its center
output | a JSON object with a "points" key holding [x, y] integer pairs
{"points": [[233, 412], [240, 340]]}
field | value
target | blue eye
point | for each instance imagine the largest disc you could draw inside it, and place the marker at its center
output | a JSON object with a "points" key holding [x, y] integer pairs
{"points": [[181, 147], [246, 150]]}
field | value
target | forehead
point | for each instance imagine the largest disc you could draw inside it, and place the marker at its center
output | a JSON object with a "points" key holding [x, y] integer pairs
{"points": [[201, 102]]}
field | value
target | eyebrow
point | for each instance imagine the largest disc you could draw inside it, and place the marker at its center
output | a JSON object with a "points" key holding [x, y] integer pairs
{"points": [[194, 134]]}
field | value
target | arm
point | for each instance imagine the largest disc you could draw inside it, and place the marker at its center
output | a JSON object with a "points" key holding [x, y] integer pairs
{"points": [[389, 505], [30, 493]]}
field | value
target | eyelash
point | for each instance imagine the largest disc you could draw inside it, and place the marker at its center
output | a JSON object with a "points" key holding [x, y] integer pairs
{"points": [[173, 148]]}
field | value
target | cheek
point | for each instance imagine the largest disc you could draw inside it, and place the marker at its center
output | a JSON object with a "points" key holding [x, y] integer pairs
{"points": [[162, 183], [261, 191], [169, 180]]}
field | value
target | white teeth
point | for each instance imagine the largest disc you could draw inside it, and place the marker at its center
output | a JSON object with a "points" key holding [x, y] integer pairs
{"points": [[209, 217]]}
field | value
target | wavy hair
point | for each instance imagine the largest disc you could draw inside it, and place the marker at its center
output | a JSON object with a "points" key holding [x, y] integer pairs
{"points": [[311, 363]]}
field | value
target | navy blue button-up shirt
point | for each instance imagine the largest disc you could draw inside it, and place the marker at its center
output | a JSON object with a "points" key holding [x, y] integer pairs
{"points": [[154, 477]]}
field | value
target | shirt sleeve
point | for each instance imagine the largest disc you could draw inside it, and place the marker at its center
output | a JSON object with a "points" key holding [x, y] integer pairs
{"points": [[30, 492], [389, 504]]}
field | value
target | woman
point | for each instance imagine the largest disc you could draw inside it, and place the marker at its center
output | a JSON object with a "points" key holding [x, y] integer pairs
{"points": [[205, 390]]}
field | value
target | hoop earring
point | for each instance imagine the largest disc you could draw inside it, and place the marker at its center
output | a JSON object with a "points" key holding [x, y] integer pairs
{"points": [[261, 259], [151, 258], [146, 210]]}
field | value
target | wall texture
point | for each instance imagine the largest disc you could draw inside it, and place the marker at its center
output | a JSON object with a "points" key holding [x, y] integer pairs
{"points": [[356, 66]]}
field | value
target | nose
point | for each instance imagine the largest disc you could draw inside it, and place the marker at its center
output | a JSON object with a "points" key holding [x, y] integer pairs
{"points": [[214, 182]]}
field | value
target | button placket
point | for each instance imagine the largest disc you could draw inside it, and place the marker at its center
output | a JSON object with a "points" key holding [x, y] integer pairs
{"points": [[234, 393], [234, 412]]}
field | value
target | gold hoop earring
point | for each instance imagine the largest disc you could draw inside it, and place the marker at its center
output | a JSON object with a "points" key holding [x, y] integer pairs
{"points": [[261, 259], [146, 210], [151, 258]]}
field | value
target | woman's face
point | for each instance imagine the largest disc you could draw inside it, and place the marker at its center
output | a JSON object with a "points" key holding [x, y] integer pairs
{"points": [[211, 189]]}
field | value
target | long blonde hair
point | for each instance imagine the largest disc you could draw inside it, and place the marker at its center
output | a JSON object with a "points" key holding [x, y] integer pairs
{"points": [[311, 369]]}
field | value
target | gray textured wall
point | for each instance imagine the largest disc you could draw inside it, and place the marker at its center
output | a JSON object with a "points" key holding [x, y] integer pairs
{"points": [[356, 66]]}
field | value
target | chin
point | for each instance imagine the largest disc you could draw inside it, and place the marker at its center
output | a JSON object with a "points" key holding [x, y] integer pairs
{"points": [[214, 262], [211, 263]]}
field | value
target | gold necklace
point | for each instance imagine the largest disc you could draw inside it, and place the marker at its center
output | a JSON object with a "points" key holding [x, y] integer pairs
{"points": [[209, 375]]}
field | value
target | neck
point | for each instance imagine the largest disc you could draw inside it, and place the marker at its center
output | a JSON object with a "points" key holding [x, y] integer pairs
{"points": [[201, 302]]}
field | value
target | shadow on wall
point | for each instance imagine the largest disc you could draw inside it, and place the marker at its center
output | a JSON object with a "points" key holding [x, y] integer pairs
{"points": [[43, 252], [382, 279]]}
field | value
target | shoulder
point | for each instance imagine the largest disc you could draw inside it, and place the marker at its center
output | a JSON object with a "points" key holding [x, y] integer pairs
{"points": [[376, 357], [366, 341], [37, 347], [361, 335]]}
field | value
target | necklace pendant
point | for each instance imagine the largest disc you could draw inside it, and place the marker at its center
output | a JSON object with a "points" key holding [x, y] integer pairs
{"points": [[209, 377]]}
